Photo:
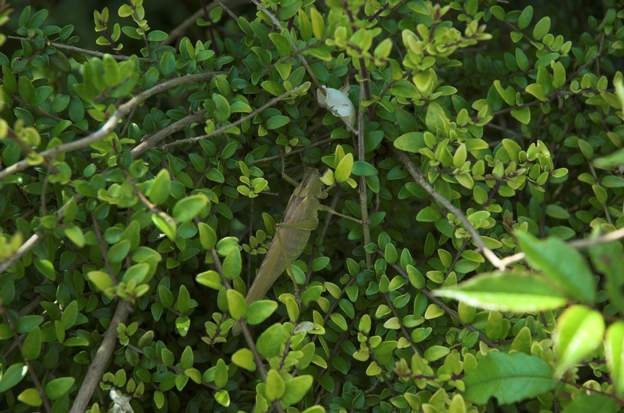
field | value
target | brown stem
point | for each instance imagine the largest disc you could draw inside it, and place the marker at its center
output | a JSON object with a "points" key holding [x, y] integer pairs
{"points": [[78, 49], [224, 128], [190, 21], [32, 241], [176, 126], [102, 356], [476, 238]]}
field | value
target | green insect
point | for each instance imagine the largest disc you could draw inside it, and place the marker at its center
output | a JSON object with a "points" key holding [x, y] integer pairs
{"points": [[291, 237]]}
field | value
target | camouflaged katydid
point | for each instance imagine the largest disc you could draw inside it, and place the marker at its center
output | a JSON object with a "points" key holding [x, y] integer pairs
{"points": [[291, 236]]}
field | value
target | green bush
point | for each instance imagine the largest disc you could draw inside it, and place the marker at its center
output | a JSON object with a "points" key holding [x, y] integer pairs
{"points": [[454, 246]]}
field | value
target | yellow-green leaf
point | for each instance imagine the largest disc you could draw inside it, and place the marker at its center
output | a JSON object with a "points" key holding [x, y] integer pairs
{"points": [[577, 334]]}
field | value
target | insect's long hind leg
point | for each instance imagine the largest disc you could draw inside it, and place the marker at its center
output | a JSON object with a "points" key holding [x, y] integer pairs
{"points": [[284, 174], [339, 214]]}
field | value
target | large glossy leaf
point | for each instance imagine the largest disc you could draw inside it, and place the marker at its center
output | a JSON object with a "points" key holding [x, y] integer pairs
{"points": [[578, 333], [507, 291], [508, 377], [560, 262]]}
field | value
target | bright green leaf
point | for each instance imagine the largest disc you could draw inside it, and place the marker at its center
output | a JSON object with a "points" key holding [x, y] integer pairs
{"points": [[578, 333], [507, 291]]}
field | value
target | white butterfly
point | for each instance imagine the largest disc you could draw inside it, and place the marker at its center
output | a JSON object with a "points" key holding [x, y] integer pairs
{"points": [[338, 103]]}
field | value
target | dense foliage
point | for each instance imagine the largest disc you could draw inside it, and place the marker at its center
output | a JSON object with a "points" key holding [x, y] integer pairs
{"points": [[467, 257]]}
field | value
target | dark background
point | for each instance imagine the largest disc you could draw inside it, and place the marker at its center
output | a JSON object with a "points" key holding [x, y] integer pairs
{"points": [[167, 14]]}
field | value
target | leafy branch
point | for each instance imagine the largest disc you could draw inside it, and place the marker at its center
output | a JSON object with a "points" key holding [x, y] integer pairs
{"points": [[110, 124]]}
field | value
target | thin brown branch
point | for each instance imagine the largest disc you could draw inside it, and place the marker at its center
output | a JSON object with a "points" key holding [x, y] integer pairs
{"points": [[110, 125], [102, 356], [224, 128], [27, 150], [190, 21], [229, 11], [176, 126], [361, 149], [30, 242], [379, 12], [579, 243], [23, 249], [362, 189], [293, 152], [80, 50], [476, 238], [592, 390]]}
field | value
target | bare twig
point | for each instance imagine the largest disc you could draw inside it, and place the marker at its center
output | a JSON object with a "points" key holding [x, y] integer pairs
{"points": [[21, 251], [176, 126], [592, 390], [227, 10], [28, 151], [224, 128], [190, 21], [361, 149], [102, 356], [293, 152], [362, 190], [80, 50], [110, 124], [579, 243], [30, 242], [476, 238], [379, 12]]}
